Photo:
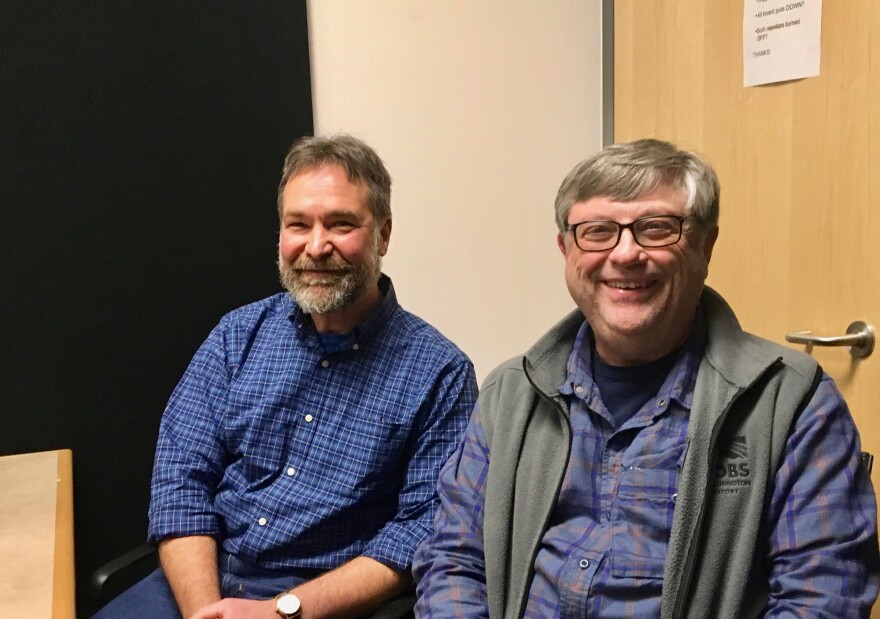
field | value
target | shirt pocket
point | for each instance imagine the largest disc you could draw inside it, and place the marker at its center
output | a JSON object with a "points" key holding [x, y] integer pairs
{"points": [[641, 521], [364, 454]]}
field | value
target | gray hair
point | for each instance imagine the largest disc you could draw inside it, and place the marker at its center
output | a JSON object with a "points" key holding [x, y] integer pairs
{"points": [[632, 170], [360, 162]]}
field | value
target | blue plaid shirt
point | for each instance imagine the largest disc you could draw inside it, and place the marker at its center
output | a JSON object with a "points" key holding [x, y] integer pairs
{"points": [[295, 458], [604, 550]]}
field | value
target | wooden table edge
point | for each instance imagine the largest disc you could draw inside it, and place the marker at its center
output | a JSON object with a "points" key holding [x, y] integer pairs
{"points": [[63, 581]]}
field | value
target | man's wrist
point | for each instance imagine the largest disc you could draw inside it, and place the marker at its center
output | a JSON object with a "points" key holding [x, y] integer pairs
{"points": [[288, 605]]}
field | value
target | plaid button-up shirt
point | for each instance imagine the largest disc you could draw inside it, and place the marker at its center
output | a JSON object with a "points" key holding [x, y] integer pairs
{"points": [[299, 458], [603, 552]]}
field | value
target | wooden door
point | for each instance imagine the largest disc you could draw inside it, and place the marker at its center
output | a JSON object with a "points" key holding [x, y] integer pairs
{"points": [[799, 164]]}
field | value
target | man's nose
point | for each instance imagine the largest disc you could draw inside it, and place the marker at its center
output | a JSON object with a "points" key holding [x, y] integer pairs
{"points": [[626, 250], [318, 242]]}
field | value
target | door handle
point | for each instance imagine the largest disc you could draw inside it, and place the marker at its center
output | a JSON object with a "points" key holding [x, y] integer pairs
{"points": [[859, 337]]}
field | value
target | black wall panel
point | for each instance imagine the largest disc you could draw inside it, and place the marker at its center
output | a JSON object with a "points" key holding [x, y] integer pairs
{"points": [[140, 152]]}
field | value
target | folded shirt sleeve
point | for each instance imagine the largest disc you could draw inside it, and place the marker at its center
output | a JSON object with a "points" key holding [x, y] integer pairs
{"points": [[188, 465], [438, 430], [823, 518]]}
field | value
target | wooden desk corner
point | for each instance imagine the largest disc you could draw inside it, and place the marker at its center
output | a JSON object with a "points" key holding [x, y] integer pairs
{"points": [[36, 536]]}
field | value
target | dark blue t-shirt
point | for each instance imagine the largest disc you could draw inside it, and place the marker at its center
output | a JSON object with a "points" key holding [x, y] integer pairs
{"points": [[626, 389]]}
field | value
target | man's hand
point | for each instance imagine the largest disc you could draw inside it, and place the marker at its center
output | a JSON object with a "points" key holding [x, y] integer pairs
{"points": [[236, 608]]}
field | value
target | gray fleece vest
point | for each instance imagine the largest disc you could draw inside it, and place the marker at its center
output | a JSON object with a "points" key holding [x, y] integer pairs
{"points": [[747, 394]]}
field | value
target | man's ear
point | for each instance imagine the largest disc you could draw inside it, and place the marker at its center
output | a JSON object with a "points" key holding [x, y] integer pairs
{"points": [[560, 242], [709, 242], [385, 237]]}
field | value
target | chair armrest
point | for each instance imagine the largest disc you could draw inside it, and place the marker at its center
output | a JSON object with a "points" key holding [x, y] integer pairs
{"points": [[114, 577], [398, 608]]}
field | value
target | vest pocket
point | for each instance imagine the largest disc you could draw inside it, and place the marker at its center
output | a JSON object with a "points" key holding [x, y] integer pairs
{"points": [[641, 521]]}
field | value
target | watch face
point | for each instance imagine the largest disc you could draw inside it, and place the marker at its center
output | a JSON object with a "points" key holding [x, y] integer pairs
{"points": [[287, 603]]}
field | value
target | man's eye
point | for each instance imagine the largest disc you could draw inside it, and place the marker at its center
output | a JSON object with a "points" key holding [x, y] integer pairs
{"points": [[656, 227], [597, 230], [295, 225], [342, 226]]}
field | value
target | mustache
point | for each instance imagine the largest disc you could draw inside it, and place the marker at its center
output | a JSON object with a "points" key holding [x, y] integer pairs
{"points": [[330, 265]]}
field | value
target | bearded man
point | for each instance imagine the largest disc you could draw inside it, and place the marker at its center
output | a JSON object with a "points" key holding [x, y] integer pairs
{"points": [[297, 459]]}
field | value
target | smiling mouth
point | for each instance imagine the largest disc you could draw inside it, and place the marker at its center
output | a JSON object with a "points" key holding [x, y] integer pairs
{"points": [[320, 272], [320, 277], [629, 285]]}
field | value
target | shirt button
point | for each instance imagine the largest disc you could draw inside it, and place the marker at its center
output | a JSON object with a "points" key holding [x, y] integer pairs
{"points": [[584, 564], [262, 522], [579, 388], [309, 418], [291, 471], [661, 403], [674, 497], [608, 516], [356, 347], [325, 364]]}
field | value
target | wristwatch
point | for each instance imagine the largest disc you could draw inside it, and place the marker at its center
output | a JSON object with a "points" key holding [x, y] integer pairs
{"points": [[287, 605]]}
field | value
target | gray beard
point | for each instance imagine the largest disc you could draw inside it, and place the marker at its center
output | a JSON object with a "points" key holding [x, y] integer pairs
{"points": [[339, 287]]}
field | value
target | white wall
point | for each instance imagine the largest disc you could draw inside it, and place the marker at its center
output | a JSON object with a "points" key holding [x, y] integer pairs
{"points": [[478, 108]]}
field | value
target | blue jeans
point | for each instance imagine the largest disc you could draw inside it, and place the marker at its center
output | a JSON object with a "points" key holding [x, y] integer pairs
{"points": [[152, 598]]}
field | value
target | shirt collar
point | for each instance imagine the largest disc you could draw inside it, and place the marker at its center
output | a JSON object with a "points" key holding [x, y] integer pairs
{"points": [[365, 332], [679, 383]]}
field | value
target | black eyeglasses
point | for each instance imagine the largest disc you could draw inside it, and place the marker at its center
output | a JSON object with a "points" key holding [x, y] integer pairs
{"points": [[653, 231]]}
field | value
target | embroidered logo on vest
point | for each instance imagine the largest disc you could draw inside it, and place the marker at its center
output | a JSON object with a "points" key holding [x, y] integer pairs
{"points": [[732, 472]]}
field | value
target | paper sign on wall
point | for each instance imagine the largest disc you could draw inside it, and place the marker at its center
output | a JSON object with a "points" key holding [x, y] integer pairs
{"points": [[781, 40]]}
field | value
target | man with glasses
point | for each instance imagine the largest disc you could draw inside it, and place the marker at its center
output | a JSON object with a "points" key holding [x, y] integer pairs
{"points": [[646, 457]]}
